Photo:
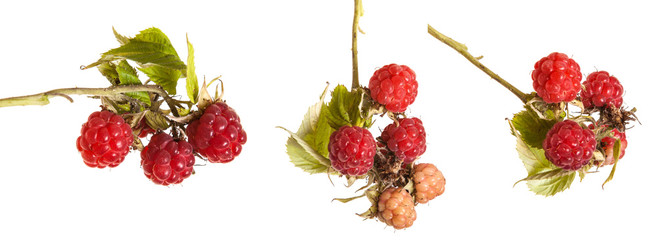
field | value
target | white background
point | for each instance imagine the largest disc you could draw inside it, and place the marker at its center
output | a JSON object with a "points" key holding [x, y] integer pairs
{"points": [[275, 57]]}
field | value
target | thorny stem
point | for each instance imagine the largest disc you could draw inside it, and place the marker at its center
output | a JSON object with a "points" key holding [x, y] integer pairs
{"points": [[358, 12], [463, 50], [43, 98]]}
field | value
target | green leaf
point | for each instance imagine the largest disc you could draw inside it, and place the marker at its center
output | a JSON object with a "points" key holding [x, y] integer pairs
{"points": [[304, 157], [156, 120], [319, 138], [533, 158], [150, 46], [543, 177], [555, 173], [128, 76], [192, 81], [167, 78], [108, 69], [120, 38], [552, 186], [531, 127], [344, 108], [617, 147]]}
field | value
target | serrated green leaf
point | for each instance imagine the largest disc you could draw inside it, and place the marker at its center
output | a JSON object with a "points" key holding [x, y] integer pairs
{"points": [[319, 138], [304, 157], [550, 187], [108, 70], [344, 108], [555, 173], [150, 46], [531, 127], [167, 78], [156, 120], [299, 156], [128, 76], [537, 165], [120, 38], [533, 158], [192, 81]]}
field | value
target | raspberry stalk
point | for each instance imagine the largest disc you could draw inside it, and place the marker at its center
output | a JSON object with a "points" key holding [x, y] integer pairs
{"points": [[43, 98], [358, 12], [463, 50]]}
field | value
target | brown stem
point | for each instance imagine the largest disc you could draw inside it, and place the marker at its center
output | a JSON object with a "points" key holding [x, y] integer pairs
{"points": [[463, 50], [358, 12], [44, 97]]}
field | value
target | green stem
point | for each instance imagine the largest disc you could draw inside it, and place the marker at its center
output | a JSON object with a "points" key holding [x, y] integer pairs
{"points": [[358, 12], [43, 98], [463, 50]]}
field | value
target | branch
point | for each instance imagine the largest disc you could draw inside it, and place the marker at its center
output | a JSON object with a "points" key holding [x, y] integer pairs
{"points": [[44, 97], [358, 12], [463, 50]]}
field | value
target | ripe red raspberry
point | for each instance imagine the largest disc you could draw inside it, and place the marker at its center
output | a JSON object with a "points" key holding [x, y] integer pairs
{"points": [[396, 208], [351, 150], [167, 161], [557, 78], [217, 134], [407, 141], [429, 182], [600, 90], [105, 140], [568, 145], [607, 145], [394, 86]]}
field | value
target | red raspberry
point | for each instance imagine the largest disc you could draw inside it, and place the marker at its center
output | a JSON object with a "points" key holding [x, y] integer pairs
{"points": [[105, 140], [429, 182], [394, 86], [607, 145], [351, 150], [167, 161], [407, 141], [557, 78], [396, 208], [600, 89], [568, 145], [217, 134]]}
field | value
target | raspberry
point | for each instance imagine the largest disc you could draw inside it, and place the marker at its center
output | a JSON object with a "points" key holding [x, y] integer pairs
{"points": [[607, 145], [167, 161], [429, 182], [351, 150], [105, 140], [217, 134], [407, 141], [396, 208], [557, 78], [568, 145], [394, 86], [601, 90]]}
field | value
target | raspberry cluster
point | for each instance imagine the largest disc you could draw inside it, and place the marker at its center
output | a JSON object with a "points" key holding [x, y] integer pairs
{"points": [[567, 144], [217, 134], [388, 160]]}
